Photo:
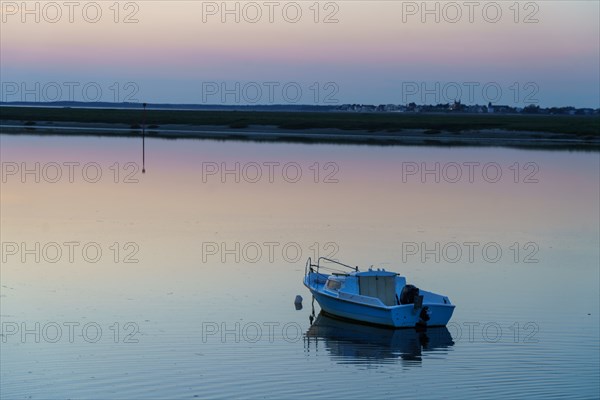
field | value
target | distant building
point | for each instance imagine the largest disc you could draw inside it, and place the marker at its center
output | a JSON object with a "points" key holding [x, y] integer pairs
{"points": [[500, 109], [456, 106]]}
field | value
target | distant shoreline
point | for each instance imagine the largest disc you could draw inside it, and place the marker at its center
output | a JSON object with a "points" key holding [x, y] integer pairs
{"points": [[581, 132], [273, 134]]}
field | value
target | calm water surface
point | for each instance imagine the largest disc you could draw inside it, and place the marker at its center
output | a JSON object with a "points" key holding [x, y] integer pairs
{"points": [[185, 288]]}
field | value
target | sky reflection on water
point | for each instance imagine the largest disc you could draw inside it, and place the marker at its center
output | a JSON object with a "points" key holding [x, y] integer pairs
{"points": [[212, 254]]}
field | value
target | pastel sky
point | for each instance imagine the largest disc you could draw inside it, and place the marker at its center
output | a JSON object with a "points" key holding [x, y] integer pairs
{"points": [[376, 52]]}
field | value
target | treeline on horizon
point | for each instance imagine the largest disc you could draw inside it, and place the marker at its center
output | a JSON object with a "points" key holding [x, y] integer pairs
{"points": [[410, 107]]}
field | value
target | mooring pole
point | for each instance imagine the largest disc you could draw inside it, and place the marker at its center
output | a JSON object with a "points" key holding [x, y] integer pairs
{"points": [[144, 140]]}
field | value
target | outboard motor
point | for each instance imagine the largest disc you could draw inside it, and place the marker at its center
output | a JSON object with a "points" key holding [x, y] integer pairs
{"points": [[408, 295], [424, 317], [425, 314]]}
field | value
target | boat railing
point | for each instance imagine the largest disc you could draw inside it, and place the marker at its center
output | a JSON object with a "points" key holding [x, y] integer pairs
{"points": [[310, 267]]}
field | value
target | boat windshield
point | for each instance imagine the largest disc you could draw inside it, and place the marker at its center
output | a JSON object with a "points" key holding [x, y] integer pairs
{"points": [[333, 284]]}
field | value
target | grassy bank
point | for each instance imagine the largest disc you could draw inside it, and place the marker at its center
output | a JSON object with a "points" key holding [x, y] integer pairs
{"points": [[376, 122]]}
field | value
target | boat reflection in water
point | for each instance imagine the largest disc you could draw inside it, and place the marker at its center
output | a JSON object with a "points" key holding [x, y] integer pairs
{"points": [[352, 343]]}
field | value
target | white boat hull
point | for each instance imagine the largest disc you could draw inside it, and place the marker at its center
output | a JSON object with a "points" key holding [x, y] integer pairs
{"points": [[402, 316]]}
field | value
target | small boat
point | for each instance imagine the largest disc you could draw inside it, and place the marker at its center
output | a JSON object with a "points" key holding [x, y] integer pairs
{"points": [[376, 297]]}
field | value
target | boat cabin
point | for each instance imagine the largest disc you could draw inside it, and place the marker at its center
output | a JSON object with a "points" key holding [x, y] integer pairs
{"points": [[381, 284]]}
